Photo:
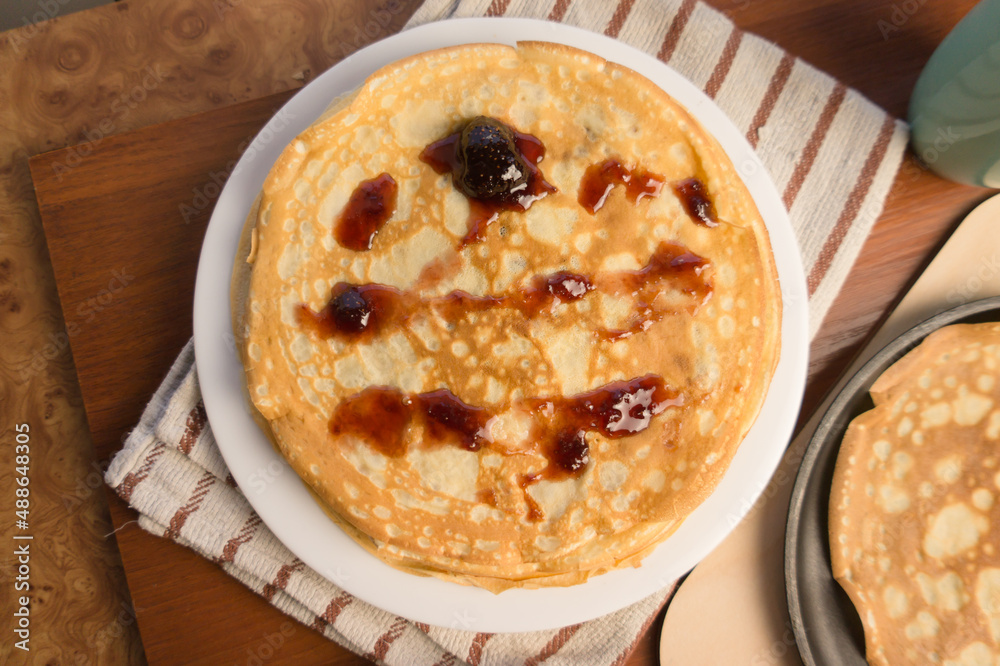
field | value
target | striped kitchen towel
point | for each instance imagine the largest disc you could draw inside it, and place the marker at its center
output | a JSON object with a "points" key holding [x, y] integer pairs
{"points": [[832, 154]]}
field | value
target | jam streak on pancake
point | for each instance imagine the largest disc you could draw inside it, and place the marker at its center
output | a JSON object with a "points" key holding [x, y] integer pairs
{"points": [[616, 410], [671, 263], [600, 179], [356, 312], [371, 205], [494, 166], [380, 416], [692, 194]]}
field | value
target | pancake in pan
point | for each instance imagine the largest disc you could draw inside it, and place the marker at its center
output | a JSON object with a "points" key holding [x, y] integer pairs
{"points": [[510, 312], [913, 516]]}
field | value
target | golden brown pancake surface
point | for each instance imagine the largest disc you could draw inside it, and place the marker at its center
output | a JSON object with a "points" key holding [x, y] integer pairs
{"points": [[913, 512], [542, 400]]}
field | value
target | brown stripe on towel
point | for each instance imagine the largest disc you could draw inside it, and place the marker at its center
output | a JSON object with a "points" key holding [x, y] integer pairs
{"points": [[244, 535], [281, 578], [381, 648], [559, 10], [618, 20], [674, 31], [447, 660], [476, 649], [553, 646], [193, 504], [333, 609], [725, 63], [192, 429], [853, 206], [815, 142], [131, 480], [497, 8], [777, 83]]}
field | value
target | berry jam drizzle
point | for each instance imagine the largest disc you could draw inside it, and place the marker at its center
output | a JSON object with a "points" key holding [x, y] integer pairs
{"points": [[449, 155], [380, 416], [370, 206], [360, 311], [698, 205], [357, 312], [600, 179], [615, 410], [670, 262]]}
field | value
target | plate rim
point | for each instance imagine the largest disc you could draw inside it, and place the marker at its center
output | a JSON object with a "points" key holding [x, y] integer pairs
{"points": [[514, 610], [824, 437]]}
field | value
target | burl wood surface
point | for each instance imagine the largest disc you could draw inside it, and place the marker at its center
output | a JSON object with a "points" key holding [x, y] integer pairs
{"points": [[81, 79]]}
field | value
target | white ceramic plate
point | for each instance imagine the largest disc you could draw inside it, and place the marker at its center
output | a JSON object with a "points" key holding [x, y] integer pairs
{"points": [[280, 497]]}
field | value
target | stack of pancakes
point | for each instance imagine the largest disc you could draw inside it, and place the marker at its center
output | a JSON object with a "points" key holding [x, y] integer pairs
{"points": [[496, 514]]}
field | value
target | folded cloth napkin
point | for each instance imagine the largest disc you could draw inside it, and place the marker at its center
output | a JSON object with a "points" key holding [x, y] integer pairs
{"points": [[832, 154]]}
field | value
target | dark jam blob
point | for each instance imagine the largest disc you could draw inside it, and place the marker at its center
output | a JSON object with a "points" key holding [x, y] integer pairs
{"points": [[354, 310], [490, 167], [378, 416], [544, 289], [494, 166], [600, 179], [446, 415], [531, 148], [481, 215], [530, 301], [643, 184], [370, 206], [350, 311], [597, 183], [567, 286], [693, 195], [571, 453]]}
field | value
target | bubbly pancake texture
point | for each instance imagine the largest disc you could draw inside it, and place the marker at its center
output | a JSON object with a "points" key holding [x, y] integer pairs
{"points": [[913, 512], [536, 402]]}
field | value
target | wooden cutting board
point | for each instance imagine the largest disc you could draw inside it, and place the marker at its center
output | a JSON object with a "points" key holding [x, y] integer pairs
{"points": [[741, 585]]}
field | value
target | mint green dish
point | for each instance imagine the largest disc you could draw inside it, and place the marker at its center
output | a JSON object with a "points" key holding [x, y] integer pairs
{"points": [[955, 107]]}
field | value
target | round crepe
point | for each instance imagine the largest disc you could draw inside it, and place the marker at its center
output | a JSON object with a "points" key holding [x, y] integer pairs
{"points": [[463, 515], [913, 516]]}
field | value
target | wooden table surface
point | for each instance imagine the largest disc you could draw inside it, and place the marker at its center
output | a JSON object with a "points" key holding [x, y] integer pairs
{"points": [[80, 80]]}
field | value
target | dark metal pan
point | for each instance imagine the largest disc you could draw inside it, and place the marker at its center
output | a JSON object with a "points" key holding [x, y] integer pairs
{"points": [[827, 629]]}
